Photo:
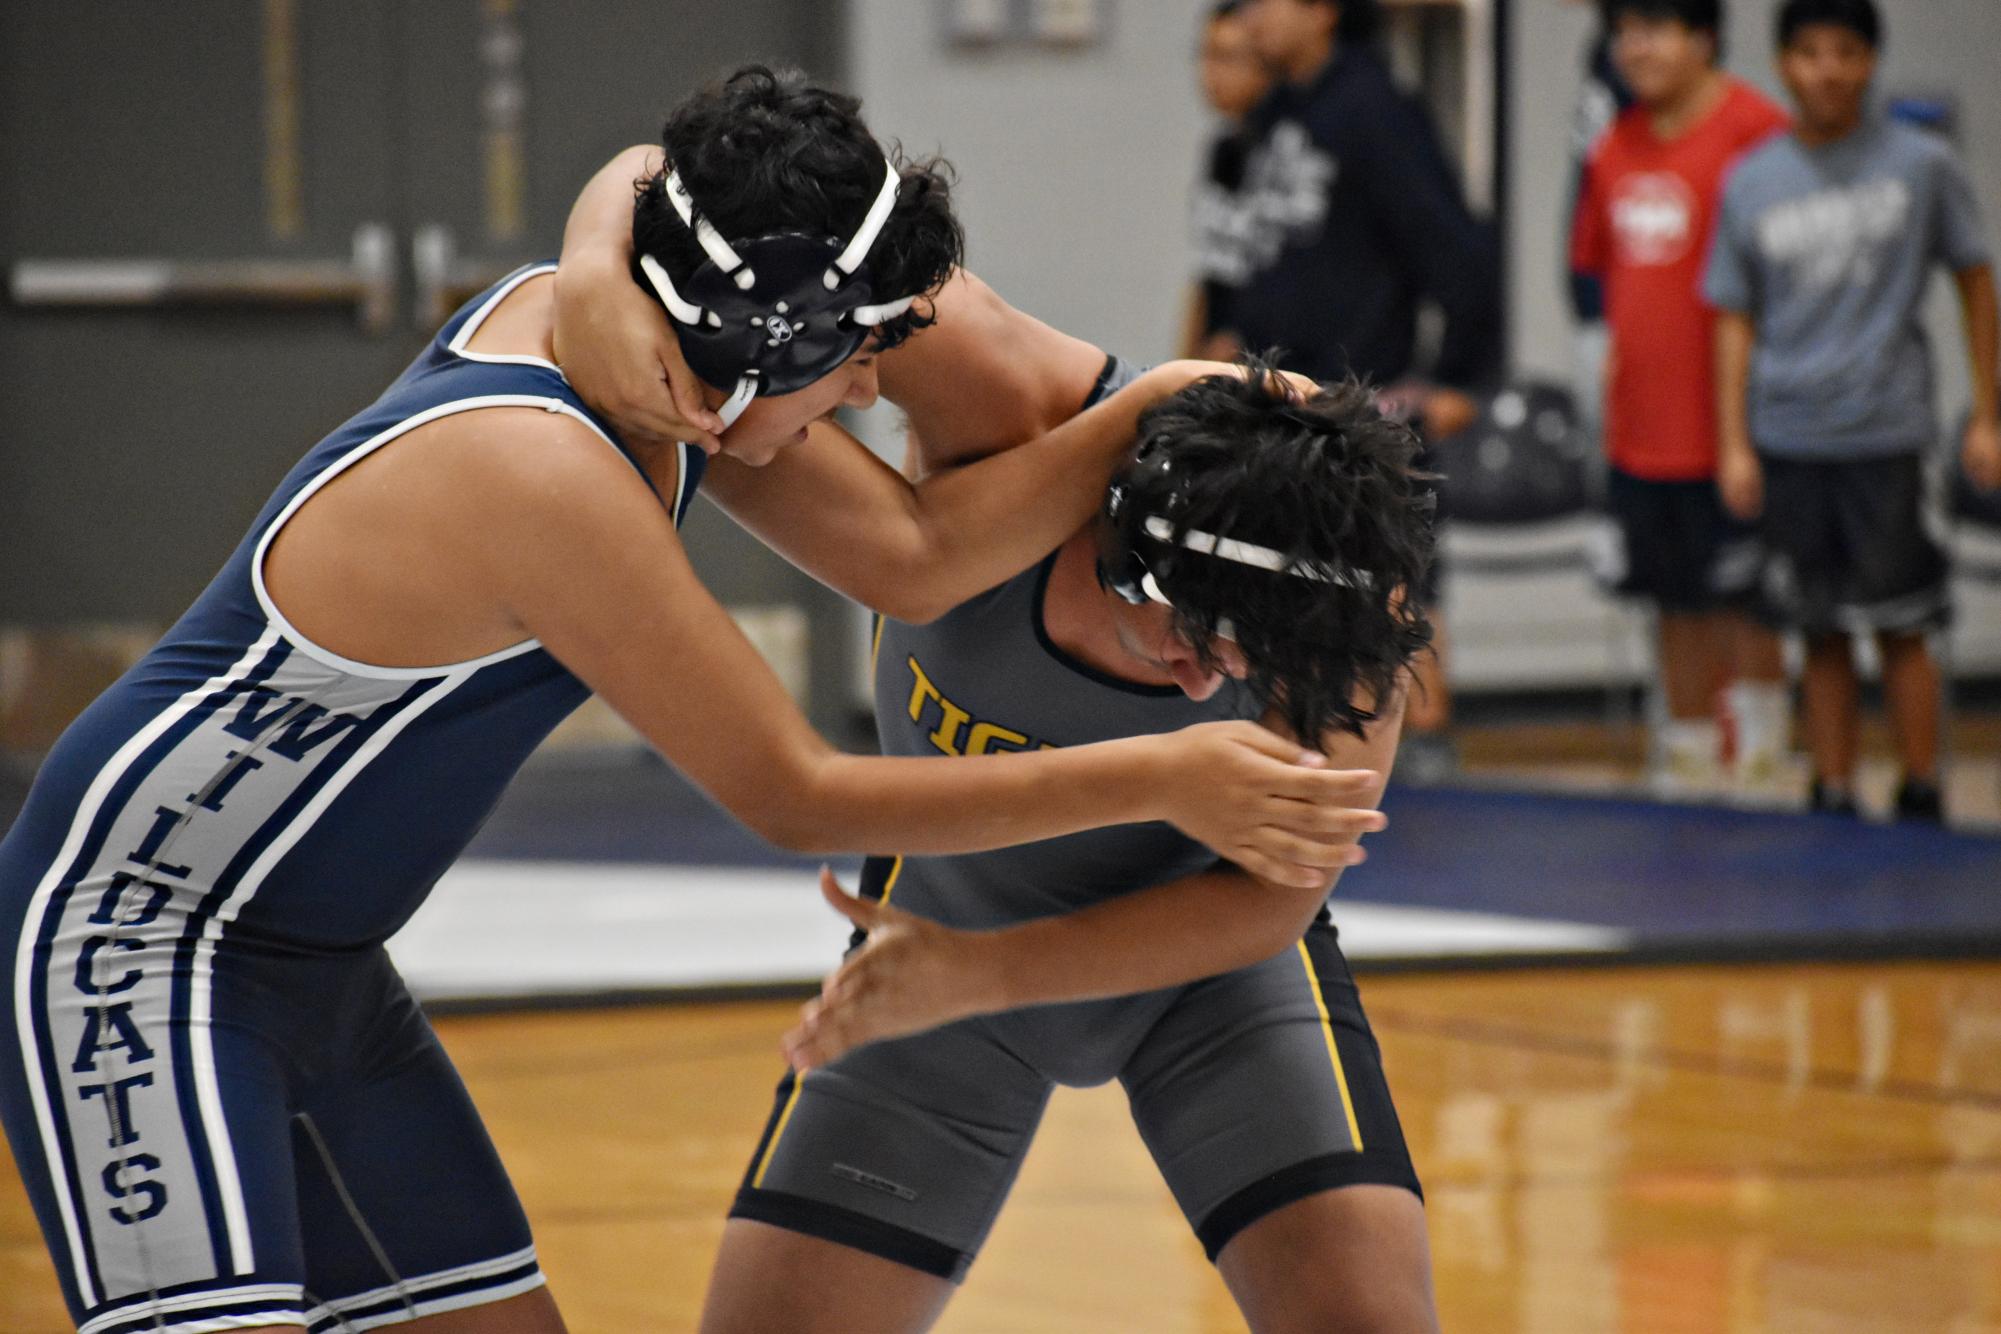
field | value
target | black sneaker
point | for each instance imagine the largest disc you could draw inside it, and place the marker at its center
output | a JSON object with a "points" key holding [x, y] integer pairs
{"points": [[1919, 799], [1822, 801]]}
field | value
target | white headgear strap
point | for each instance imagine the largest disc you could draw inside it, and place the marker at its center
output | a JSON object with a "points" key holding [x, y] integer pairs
{"points": [[863, 240], [1249, 553], [720, 252], [739, 399], [682, 309], [867, 317]]}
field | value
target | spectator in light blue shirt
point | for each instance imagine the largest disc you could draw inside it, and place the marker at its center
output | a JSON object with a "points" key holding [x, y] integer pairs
{"points": [[1827, 238]]}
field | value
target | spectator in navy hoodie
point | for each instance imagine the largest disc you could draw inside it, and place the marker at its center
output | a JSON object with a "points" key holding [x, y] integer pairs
{"points": [[1356, 215], [1354, 218]]}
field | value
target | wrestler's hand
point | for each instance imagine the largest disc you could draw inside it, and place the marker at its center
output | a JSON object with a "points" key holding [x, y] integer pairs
{"points": [[911, 974], [1290, 385], [1440, 410], [1266, 803], [618, 351]]}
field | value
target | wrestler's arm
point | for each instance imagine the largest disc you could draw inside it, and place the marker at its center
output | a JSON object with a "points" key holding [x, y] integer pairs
{"points": [[910, 551], [579, 552], [914, 550], [914, 974]]}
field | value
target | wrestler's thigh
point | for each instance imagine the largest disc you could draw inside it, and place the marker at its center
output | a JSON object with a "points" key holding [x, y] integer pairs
{"points": [[770, 1278], [1349, 1261]]}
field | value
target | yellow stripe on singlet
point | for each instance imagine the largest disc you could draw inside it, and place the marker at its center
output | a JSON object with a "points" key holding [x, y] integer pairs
{"points": [[875, 645], [777, 1131], [1333, 1052]]}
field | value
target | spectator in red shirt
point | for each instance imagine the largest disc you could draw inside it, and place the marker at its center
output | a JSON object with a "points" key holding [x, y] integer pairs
{"points": [[1650, 194]]}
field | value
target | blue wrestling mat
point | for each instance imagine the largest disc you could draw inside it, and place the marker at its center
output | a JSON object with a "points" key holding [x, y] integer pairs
{"points": [[621, 878], [1686, 881], [1672, 881]]}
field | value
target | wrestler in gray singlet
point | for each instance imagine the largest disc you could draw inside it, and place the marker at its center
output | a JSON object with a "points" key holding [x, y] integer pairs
{"points": [[1252, 1089]]}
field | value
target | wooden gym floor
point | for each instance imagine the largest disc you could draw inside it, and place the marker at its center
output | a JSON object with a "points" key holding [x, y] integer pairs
{"points": [[1739, 1149]]}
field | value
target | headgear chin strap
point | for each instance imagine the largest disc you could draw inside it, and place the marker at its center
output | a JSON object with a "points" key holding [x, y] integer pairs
{"points": [[772, 314]]}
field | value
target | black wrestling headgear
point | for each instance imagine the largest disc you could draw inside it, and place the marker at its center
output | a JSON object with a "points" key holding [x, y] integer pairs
{"points": [[1141, 540], [774, 313]]}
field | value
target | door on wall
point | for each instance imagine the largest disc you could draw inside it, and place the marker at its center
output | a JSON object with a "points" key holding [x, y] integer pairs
{"points": [[228, 224]]}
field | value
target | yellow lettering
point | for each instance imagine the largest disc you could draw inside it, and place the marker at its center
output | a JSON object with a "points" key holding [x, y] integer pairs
{"points": [[946, 737], [921, 691], [952, 717], [985, 734], [983, 739]]}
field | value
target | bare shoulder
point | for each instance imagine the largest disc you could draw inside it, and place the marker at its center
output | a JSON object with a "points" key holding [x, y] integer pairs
{"points": [[409, 557], [539, 459]]}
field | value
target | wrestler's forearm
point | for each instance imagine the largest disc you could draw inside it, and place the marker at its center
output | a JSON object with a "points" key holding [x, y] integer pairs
{"points": [[1194, 927], [982, 523], [1254, 803], [1167, 935], [921, 806], [913, 552]]}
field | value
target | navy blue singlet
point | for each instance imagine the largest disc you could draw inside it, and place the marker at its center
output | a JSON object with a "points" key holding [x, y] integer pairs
{"points": [[243, 799]]}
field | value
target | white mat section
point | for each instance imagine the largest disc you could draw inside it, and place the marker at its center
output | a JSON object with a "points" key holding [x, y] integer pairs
{"points": [[499, 929]]}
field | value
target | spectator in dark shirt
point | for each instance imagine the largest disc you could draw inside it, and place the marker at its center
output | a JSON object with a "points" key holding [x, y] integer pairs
{"points": [[1353, 218], [1355, 215], [1234, 80]]}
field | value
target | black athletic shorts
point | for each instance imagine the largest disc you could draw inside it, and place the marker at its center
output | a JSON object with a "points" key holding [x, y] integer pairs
{"points": [[1251, 1090], [1849, 546], [1680, 548]]}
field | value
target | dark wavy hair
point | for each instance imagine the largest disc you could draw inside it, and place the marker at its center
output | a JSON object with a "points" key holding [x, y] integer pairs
{"points": [[765, 151], [1695, 15], [1359, 20], [1328, 481], [1858, 16]]}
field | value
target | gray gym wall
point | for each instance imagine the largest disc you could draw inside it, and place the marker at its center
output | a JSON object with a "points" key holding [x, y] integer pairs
{"points": [[137, 444], [1074, 163]]}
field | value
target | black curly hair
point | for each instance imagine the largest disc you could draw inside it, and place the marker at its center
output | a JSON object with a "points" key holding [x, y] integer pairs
{"points": [[765, 151], [1327, 481], [1695, 15], [1858, 16]]}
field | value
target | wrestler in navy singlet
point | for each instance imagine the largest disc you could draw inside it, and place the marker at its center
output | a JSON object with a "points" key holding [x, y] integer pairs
{"points": [[223, 1101], [1252, 1090]]}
